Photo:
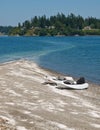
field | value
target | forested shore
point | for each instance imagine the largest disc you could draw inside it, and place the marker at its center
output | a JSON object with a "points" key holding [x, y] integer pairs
{"points": [[58, 25]]}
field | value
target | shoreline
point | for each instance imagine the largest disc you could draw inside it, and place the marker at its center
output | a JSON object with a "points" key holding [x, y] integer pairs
{"points": [[26, 103], [47, 69]]}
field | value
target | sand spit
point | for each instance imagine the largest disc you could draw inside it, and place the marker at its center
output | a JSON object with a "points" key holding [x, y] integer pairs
{"points": [[27, 104]]}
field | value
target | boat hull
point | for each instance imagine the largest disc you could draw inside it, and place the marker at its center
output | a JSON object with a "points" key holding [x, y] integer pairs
{"points": [[74, 86]]}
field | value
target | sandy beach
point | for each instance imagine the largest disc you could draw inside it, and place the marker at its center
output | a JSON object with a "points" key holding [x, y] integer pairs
{"points": [[27, 104]]}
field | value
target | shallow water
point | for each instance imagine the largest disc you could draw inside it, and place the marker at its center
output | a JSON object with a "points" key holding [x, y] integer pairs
{"points": [[76, 56]]}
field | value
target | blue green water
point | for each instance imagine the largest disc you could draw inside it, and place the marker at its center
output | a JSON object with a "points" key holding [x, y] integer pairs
{"points": [[76, 56]]}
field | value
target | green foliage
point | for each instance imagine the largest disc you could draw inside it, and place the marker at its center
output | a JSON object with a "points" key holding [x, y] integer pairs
{"points": [[5, 30], [14, 31], [92, 32], [56, 25]]}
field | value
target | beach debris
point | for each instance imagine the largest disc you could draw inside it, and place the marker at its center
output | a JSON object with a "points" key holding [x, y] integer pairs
{"points": [[67, 82], [50, 82]]}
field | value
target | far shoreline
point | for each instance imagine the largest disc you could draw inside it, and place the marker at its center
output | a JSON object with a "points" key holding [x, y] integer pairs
{"points": [[50, 36]]}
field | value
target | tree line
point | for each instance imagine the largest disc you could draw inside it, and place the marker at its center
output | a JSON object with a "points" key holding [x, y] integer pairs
{"points": [[59, 24]]}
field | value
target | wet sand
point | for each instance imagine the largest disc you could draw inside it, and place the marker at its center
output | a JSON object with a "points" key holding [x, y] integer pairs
{"points": [[27, 104]]}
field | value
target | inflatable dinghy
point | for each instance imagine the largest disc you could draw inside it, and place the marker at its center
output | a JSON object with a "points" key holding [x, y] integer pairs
{"points": [[73, 86]]}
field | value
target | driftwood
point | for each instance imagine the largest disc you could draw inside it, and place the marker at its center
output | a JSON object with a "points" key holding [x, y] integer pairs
{"points": [[50, 82]]}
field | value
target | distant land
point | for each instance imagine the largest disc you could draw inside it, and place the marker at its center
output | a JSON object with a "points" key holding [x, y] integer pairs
{"points": [[58, 25]]}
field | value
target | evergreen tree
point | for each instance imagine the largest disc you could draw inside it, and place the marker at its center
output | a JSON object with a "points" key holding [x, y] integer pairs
{"points": [[56, 25]]}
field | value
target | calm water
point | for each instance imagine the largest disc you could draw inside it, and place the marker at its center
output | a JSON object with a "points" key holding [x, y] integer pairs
{"points": [[76, 56]]}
